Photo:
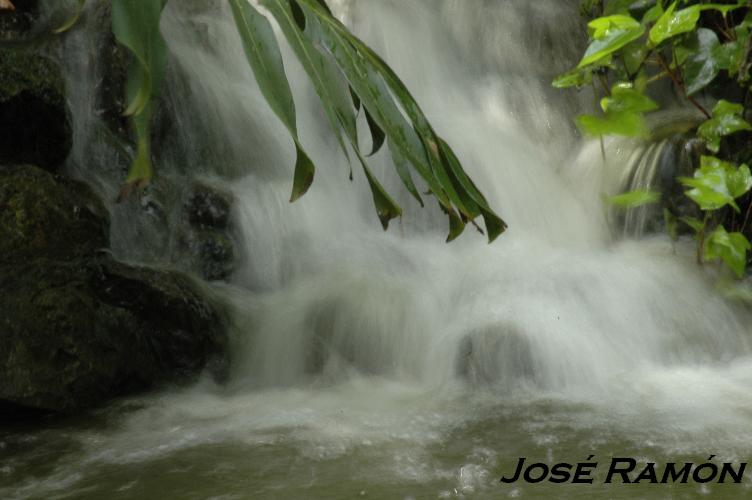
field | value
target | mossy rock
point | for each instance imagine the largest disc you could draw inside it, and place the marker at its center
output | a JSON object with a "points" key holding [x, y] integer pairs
{"points": [[48, 216], [75, 334], [208, 206], [213, 253], [33, 111], [78, 328]]}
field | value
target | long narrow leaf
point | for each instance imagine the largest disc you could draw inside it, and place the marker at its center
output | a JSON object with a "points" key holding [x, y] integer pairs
{"points": [[335, 98], [135, 25], [265, 59], [376, 84]]}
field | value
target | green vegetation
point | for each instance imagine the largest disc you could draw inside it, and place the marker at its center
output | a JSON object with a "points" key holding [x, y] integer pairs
{"points": [[702, 48], [347, 75]]}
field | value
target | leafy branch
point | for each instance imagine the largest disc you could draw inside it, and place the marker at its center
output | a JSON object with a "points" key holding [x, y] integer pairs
{"points": [[628, 38], [348, 77]]}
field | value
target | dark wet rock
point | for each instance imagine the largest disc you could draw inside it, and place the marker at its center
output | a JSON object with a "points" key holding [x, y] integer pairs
{"points": [[33, 111], [14, 23], [207, 236], [77, 327], [44, 216], [208, 207], [213, 253]]}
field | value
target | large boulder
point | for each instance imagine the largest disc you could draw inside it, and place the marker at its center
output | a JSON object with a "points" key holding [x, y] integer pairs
{"points": [[207, 236], [34, 117], [77, 327]]}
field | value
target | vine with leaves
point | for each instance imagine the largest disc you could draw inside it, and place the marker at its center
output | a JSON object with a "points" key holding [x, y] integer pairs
{"points": [[704, 50]]}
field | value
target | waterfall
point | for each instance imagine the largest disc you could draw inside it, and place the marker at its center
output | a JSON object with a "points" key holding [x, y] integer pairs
{"points": [[323, 294], [351, 342]]}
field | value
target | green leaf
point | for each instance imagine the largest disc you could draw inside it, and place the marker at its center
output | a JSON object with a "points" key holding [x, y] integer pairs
{"points": [[701, 66], [730, 56], [634, 199], [674, 22], [400, 164], [626, 99], [135, 25], [740, 181], [724, 9], [335, 97], [73, 19], [386, 208], [390, 104], [717, 183], [610, 34], [726, 120], [624, 123], [634, 56], [694, 223], [331, 88], [263, 54], [618, 7], [377, 135], [577, 77], [653, 14], [732, 248]]}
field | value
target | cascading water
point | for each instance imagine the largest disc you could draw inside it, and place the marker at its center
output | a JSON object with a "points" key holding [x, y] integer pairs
{"points": [[394, 365]]}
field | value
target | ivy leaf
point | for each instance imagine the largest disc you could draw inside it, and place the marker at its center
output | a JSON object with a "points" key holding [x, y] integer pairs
{"points": [[731, 248], [730, 56], [626, 123], [610, 34], [740, 181], [634, 199], [717, 183], [653, 14], [634, 55], [674, 22], [623, 113], [618, 7], [578, 77], [726, 120], [624, 98], [701, 66], [696, 224]]}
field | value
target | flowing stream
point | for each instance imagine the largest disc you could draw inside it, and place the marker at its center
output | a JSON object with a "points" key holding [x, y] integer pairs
{"points": [[394, 365]]}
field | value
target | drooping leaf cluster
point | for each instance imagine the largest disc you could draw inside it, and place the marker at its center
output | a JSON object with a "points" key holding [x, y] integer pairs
{"points": [[349, 78], [694, 44]]}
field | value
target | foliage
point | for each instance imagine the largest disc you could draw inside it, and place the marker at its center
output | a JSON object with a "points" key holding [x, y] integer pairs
{"points": [[634, 199], [348, 77], [703, 48]]}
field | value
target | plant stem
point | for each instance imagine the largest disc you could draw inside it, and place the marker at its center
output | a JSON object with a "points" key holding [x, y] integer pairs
{"points": [[701, 242], [681, 87]]}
